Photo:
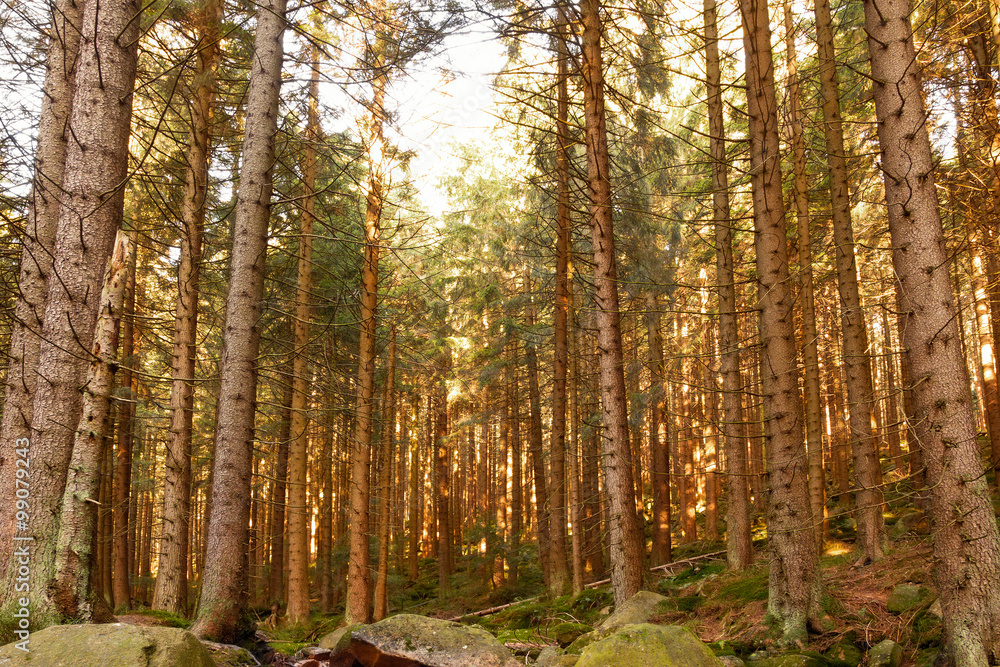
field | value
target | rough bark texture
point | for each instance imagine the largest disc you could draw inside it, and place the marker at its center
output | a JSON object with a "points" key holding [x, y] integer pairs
{"points": [[658, 447], [624, 536], [124, 522], [794, 574], [560, 578], [442, 475], [171, 592], [385, 484], [298, 511], [92, 203], [38, 238], [860, 392], [74, 589], [222, 612], [358, 576], [739, 545], [967, 565], [810, 343], [276, 579]]}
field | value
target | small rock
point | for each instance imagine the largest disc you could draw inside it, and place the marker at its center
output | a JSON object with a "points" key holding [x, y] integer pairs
{"points": [[407, 639], [935, 609], [791, 660], [639, 608], [553, 657], [886, 653], [566, 633], [731, 661], [308, 663]]}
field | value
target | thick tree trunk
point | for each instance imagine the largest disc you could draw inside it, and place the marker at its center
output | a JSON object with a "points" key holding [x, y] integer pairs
{"points": [[92, 201], [860, 393], [967, 565], [37, 243], [171, 593], [299, 513], [625, 538], [794, 582], [74, 590], [222, 612]]}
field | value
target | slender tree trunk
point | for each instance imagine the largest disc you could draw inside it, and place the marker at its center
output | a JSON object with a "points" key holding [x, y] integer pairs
{"points": [[810, 340], [986, 357], [442, 497], [298, 454], [659, 453], [171, 592], [624, 535], [74, 590], [385, 484], [124, 522], [967, 564], [794, 582], [542, 503], [739, 545], [860, 393], [560, 579], [222, 614], [414, 510], [513, 418], [276, 585]]}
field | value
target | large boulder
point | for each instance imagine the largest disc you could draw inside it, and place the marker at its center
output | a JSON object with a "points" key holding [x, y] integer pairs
{"points": [[652, 645], [408, 640], [111, 645]]}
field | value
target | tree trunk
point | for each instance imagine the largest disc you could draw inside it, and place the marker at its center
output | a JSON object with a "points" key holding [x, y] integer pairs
{"points": [[542, 502], [37, 244], [92, 198], [860, 393], [299, 513], [443, 490], [794, 584], [967, 564], [74, 590], [810, 340], [385, 484], [124, 566], [659, 453], [171, 593], [222, 614], [624, 535], [276, 584]]}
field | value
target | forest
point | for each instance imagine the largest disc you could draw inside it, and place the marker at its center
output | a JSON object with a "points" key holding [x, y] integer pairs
{"points": [[315, 313]]}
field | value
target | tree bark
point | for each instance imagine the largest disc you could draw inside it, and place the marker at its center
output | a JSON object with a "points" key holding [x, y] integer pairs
{"points": [[171, 592], [625, 538], [860, 393], [74, 590], [276, 579], [659, 452], [37, 241], [967, 564], [299, 512], [794, 583], [385, 484], [224, 602], [739, 545], [810, 340], [124, 566]]}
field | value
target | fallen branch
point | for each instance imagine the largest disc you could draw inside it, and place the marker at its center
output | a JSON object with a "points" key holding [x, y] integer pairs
{"points": [[593, 584]]}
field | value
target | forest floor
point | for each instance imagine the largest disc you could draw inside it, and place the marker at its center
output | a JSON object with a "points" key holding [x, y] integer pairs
{"points": [[725, 609]]}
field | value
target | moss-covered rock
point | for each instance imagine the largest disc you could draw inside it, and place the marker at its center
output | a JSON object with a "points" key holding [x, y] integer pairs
{"points": [[111, 645], [845, 652], [886, 653], [731, 661], [227, 655], [647, 644], [553, 657], [427, 641], [339, 640], [639, 608], [907, 597], [566, 633]]}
